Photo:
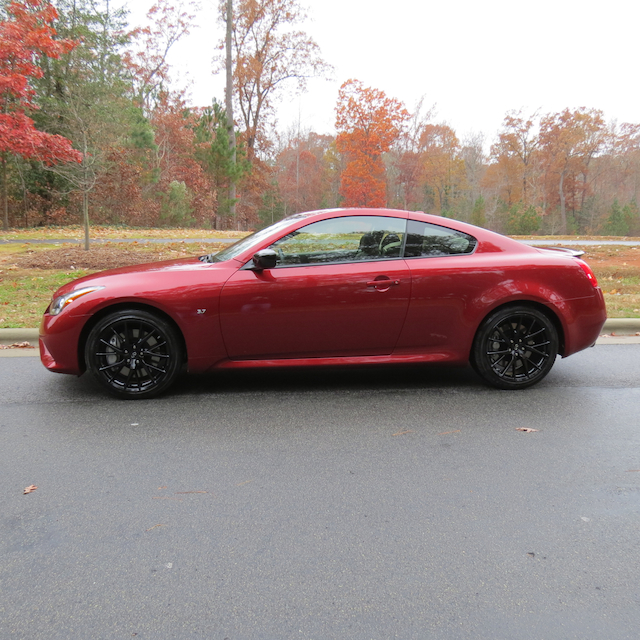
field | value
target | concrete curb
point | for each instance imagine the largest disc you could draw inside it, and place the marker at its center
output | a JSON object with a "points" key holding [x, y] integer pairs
{"points": [[616, 326], [9, 336], [622, 326]]}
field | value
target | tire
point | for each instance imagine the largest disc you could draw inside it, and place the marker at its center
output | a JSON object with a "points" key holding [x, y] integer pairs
{"points": [[133, 354], [515, 347]]}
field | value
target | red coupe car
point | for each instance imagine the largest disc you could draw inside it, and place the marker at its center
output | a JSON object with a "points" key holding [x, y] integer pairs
{"points": [[345, 286]]}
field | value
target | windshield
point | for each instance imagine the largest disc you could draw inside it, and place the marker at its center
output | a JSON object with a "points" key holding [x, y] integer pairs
{"points": [[255, 238]]}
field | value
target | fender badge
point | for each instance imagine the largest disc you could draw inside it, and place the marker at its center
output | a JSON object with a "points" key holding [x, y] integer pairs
{"points": [[201, 311]]}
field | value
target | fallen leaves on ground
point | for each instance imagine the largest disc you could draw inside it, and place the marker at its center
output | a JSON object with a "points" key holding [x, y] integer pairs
{"points": [[402, 433], [76, 232], [526, 429], [176, 493], [30, 488], [444, 433], [17, 345], [191, 492], [109, 256]]}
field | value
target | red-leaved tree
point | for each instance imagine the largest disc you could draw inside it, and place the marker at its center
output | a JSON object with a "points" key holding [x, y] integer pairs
{"points": [[25, 35]]}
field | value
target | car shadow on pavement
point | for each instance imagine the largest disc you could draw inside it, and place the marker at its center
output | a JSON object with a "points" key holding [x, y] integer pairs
{"points": [[329, 379], [383, 378]]}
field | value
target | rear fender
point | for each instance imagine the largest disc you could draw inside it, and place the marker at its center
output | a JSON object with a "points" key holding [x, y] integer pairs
{"points": [[537, 295]]}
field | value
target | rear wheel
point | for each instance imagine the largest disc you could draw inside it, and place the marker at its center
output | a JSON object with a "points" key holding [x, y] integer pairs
{"points": [[133, 354], [515, 347]]}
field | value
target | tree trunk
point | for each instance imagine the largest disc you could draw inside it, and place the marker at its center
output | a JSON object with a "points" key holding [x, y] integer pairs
{"points": [[229, 110], [5, 199], [563, 210], [85, 200], [85, 217]]}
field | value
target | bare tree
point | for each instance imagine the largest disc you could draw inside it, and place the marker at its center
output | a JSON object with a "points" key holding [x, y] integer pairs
{"points": [[268, 52]]}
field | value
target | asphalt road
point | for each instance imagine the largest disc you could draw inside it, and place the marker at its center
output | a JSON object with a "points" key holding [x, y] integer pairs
{"points": [[360, 504]]}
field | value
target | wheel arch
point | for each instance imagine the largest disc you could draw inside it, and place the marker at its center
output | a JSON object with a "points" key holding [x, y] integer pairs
{"points": [[126, 306], [553, 316]]}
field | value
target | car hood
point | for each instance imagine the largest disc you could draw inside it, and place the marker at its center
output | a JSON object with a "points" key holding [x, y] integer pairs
{"points": [[128, 273]]}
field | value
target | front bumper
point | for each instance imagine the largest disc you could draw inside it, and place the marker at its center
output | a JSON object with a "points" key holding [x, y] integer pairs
{"points": [[59, 342]]}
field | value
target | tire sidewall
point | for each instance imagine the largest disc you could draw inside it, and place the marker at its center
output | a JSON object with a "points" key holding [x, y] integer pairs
{"points": [[163, 327], [479, 358]]}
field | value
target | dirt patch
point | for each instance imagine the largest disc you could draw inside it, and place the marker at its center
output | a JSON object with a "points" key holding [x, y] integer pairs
{"points": [[107, 256], [611, 257]]}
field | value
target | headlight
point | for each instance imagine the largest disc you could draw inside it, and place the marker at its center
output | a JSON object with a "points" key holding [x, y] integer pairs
{"points": [[61, 302]]}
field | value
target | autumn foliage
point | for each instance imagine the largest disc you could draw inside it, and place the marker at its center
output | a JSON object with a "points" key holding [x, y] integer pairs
{"points": [[24, 37], [79, 78], [307, 173], [568, 167], [269, 51], [368, 123]]}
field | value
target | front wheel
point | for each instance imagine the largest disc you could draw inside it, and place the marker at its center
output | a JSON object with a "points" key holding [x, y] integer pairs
{"points": [[515, 347], [133, 354]]}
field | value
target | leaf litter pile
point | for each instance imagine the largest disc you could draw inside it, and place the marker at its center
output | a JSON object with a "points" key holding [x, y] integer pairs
{"points": [[17, 345], [109, 255]]}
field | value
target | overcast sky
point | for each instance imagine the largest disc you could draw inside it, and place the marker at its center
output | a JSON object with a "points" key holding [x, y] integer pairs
{"points": [[473, 59]]}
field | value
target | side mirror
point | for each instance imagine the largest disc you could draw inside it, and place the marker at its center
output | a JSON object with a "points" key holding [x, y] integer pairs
{"points": [[265, 259]]}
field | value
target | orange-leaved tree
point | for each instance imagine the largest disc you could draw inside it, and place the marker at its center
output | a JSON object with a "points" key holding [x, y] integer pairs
{"points": [[514, 156], [25, 36], [368, 123], [625, 177], [568, 143], [443, 170]]}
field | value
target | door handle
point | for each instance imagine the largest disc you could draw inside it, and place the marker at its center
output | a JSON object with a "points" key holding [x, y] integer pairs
{"points": [[383, 283]]}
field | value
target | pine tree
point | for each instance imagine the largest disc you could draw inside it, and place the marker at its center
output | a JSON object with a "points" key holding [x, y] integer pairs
{"points": [[478, 216]]}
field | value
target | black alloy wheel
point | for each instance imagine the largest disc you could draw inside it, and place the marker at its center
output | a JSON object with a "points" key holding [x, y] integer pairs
{"points": [[515, 347], [133, 354]]}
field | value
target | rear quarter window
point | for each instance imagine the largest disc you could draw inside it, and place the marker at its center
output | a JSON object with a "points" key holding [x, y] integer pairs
{"points": [[430, 240]]}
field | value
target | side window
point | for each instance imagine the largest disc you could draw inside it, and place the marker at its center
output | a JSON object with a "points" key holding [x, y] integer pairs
{"points": [[351, 239], [425, 240]]}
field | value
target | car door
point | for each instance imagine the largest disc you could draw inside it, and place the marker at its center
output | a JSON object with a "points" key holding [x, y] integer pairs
{"points": [[340, 288]]}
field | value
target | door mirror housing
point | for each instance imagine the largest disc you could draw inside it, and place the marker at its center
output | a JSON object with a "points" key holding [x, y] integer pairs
{"points": [[265, 259]]}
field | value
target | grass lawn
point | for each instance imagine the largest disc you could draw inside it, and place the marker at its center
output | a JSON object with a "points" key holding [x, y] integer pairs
{"points": [[76, 232], [24, 297]]}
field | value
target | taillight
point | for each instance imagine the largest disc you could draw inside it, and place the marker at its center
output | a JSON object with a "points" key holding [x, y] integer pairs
{"points": [[587, 272]]}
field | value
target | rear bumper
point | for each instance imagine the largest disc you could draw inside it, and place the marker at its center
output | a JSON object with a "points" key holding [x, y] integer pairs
{"points": [[585, 323]]}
